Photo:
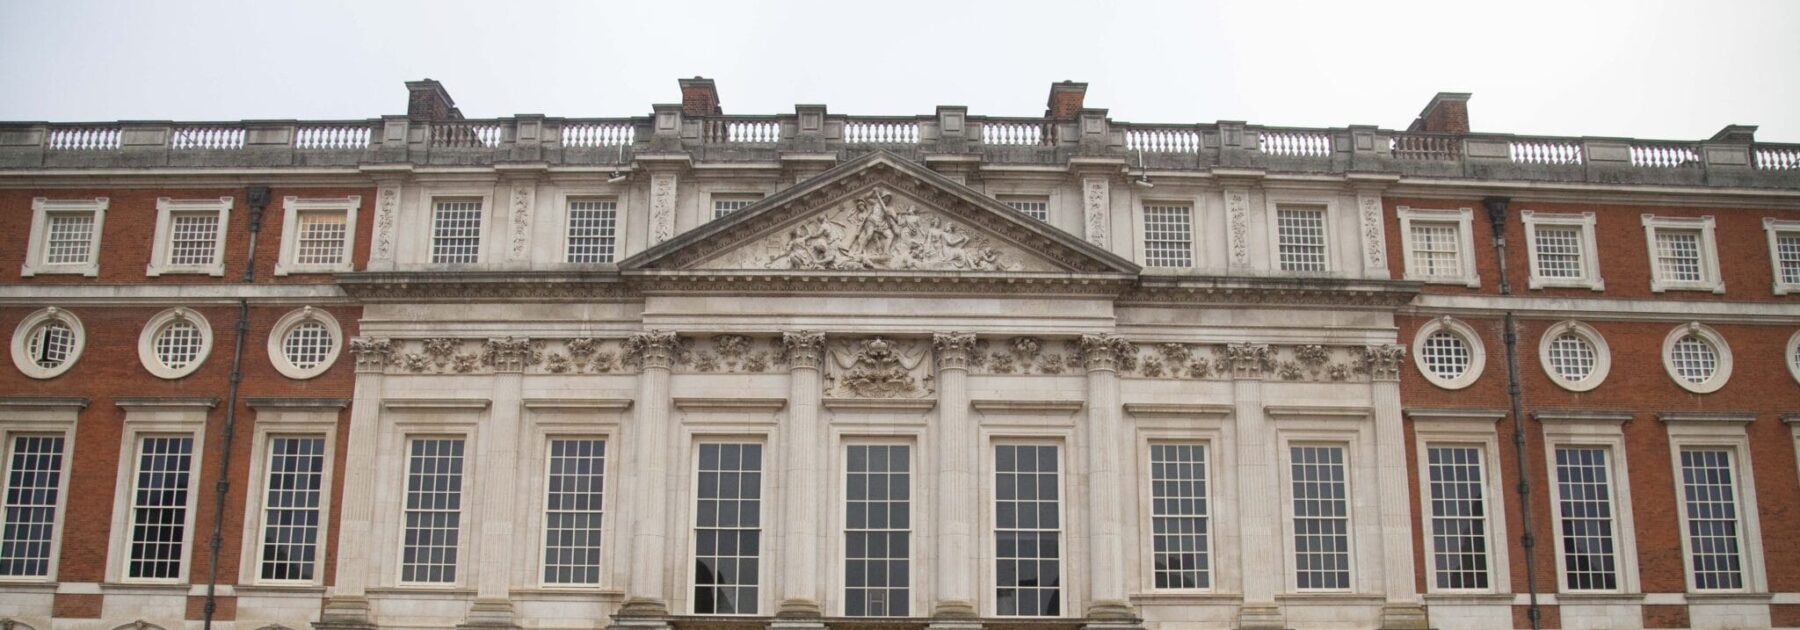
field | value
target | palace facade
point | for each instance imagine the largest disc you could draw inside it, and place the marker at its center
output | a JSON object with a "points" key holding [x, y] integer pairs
{"points": [[948, 371]]}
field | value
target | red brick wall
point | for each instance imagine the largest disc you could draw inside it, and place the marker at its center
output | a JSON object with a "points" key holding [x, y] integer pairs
{"points": [[109, 369], [126, 238]]}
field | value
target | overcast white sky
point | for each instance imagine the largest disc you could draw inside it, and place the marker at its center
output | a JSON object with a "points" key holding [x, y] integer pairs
{"points": [[1649, 69]]}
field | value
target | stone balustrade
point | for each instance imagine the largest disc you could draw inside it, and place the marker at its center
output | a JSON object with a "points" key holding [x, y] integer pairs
{"points": [[1730, 159]]}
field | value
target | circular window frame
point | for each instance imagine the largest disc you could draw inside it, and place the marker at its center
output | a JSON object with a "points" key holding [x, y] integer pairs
{"points": [[1477, 352], [287, 323], [1602, 355], [1719, 377], [22, 336], [147, 342], [1792, 360]]}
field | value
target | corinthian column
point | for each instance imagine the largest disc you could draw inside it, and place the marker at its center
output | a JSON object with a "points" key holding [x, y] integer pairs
{"points": [[802, 448], [1106, 605], [954, 566], [498, 450], [1402, 610], [1258, 519], [648, 594], [349, 605]]}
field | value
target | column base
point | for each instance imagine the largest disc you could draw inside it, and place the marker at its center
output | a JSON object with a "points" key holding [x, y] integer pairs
{"points": [[1404, 617], [797, 624], [639, 607], [953, 624], [798, 608], [953, 610], [1112, 615], [489, 614], [345, 613], [1261, 617]]}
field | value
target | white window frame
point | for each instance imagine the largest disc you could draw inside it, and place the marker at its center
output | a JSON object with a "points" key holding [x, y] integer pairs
{"points": [[21, 353], [1010, 198], [575, 419], [1353, 429], [289, 418], [1464, 220], [428, 234], [567, 197], [291, 209], [713, 199], [1329, 214], [1720, 376], [1067, 582], [278, 342], [1590, 260], [402, 421], [154, 417], [36, 249], [1467, 429], [160, 249], [839, 519], [41, 417], [1593, 430], [1726, 432], [1189, 424], [1602, 355], [1143, 228], [467, 524], [147, 342], [1773, 229], [1710, 280], [1792, 358], [1286, 474], [768, 506], [1477, 352]]}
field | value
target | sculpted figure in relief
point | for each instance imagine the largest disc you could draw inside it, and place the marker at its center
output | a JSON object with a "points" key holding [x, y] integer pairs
{"points": [[873, 232]]}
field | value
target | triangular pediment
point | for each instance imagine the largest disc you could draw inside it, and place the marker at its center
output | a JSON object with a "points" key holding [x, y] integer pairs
{"points": [[880, 213]]}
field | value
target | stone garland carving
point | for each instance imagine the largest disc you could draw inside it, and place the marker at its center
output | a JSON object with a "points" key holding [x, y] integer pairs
{"points": [[1374, 241], [1237, 211], [521, 220], [879, 367], [384, 223], [662, 208], [732, 353], [1097, 206], [1182, 361], [874, 231]]}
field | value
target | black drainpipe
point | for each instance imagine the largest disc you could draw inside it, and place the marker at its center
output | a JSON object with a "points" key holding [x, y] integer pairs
{"points": [[1496, 209], [257, 197]]}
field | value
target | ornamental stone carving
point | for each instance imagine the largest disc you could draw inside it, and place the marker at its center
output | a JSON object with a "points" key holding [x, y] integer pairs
{"points": [[803, 350], [1107, 352], [662, 207], [655, 349], [1249, 360], [878, 231], [384, 222], [1374, 239], [372, 354], [1237, 211], [521, 219], [1383, 362], [953, 350], [510, 354], [879, 368], [1096, 207]]}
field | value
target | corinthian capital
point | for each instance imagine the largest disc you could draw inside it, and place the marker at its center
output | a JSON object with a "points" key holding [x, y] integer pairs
{"points": [[510, 354], [803, 349], [1383, 361], [372, 353], [654, 349], [1250, 360], [1106, 352], [953, 350]]}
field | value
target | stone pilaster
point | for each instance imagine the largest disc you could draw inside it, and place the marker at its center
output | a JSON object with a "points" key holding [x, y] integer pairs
{"points": [[1403, 610], [1107, 606], [803, 449], [959, 450], [647, 596], [498, 453], [1259, 521], [1373, 234], [348, 608]]}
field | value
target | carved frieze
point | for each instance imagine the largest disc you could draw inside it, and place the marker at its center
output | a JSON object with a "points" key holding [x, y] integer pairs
{"points": [[1237, 216], [877, 230], [1107, 352], [1374, 239], [522, 199], [879, 367], [511, 354], [662, 207], [385, 209]]}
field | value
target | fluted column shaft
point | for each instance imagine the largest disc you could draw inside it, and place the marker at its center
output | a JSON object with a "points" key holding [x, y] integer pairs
{"points": [[1105, 488], [803, 449], [497, 456], [1403, 609], [958, 450], [349, 602], [648, 593], [1259, 523]]}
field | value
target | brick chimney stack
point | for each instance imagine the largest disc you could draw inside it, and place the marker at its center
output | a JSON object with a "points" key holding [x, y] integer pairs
{"points": [[427, 100], [1448, 112], [699, 97], [1065, 100]]}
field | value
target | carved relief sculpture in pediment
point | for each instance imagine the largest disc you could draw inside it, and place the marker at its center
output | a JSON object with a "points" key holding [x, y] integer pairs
{"points": [[879, 367], [877, 230]]}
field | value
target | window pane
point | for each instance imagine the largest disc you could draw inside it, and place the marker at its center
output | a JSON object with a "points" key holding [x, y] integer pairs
{"points": [[1034, 207], [51, 343], [434, 479], [1787, 251], [1559, 252], [320, 238], [593, 227], [1301, 236], [1180, 516], [159, 506], [1446, 354], [1678, 255], [575, 489], [291, 507], [69, 238], [1436, 250], [877, 537], [1573, 356], [1712, 519], [1168, 235], [728, 533], [1584, 499], [1027, 532], [456, 232], [193, 237], [308, 344], [1459, 543], [723, 205], [33, 479], [1321, 518], [1695, 359], [178, 344]]}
